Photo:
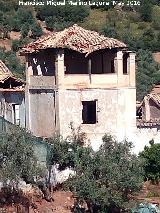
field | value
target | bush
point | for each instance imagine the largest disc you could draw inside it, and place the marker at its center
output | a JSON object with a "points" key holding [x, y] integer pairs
{"points": [[15, 45], [110, 31], [151, 155], [146, 9], [11, 61], [25, 15], [152, 194], [25, 30], [105, 179], [36, 30], [59, 17], [17, 159], [156, 17]]}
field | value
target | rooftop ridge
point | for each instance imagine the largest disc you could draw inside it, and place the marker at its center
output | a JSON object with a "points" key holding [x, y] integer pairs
{"points": [[75, 38]]}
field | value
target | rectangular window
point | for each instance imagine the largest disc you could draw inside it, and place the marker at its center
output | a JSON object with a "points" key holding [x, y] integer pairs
{"points": [[16, 115], [89, 112]]}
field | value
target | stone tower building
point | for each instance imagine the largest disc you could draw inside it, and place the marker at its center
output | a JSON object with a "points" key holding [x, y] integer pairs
{"points": [[79, 76]]}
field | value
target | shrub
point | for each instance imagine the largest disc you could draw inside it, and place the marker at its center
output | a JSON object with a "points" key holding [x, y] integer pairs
{"points": [[151, 155], [15, 45], [156, 17], [105, 179], [17, 159], [11, 61], [24, 30], [36, 30], [59, 17], [152, 194]]}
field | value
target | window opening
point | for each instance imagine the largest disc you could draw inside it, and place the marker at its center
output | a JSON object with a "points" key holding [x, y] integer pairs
{"points": [[89, 112]]}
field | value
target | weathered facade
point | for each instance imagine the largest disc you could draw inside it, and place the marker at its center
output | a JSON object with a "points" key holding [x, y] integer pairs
{"points": [[148, 120], [148, 112], [12, 101], [78, 76]]}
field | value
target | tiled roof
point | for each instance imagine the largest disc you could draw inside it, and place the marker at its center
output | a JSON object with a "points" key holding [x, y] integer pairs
{"points": [[5, 73], [75, 38], [155, 97]]}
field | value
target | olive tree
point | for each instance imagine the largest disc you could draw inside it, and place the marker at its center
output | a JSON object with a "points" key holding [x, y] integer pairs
{"points": [[105, 179], [17, 158]]}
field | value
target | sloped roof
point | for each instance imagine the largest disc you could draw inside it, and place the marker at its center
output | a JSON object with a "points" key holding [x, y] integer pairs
{"points": [[5, 73], [75, 38], [155, 97]]}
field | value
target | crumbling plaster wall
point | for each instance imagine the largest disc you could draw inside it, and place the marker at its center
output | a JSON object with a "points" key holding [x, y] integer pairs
{"points": [[42, 113], [116, 112]]}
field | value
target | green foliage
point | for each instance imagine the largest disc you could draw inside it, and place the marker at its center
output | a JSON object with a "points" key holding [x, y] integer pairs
{"points": [[36, 30], [17, 158], [59, 17], [24, 30], [110, 31], [148, 73], [151, 155], [16, 18], [156, 17], [152, 194], [131, 29], [17, 44], [104, 178], [145, 10], [63, 151], [11, 61]]}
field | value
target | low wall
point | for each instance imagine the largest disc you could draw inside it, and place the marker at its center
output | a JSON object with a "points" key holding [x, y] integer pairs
{"points": [[142, 136]]}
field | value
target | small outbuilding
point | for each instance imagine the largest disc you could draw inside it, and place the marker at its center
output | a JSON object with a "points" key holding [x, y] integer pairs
{"points": [[12, 97]]}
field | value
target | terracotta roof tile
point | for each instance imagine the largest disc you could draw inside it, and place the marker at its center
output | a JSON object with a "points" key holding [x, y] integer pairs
{"points": [[75, 38], [155, 97], [5, 73]]}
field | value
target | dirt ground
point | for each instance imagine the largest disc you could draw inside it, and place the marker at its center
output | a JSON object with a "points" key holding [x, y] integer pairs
{"points": [[63, 201], [150, 193], [61, 204]]}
